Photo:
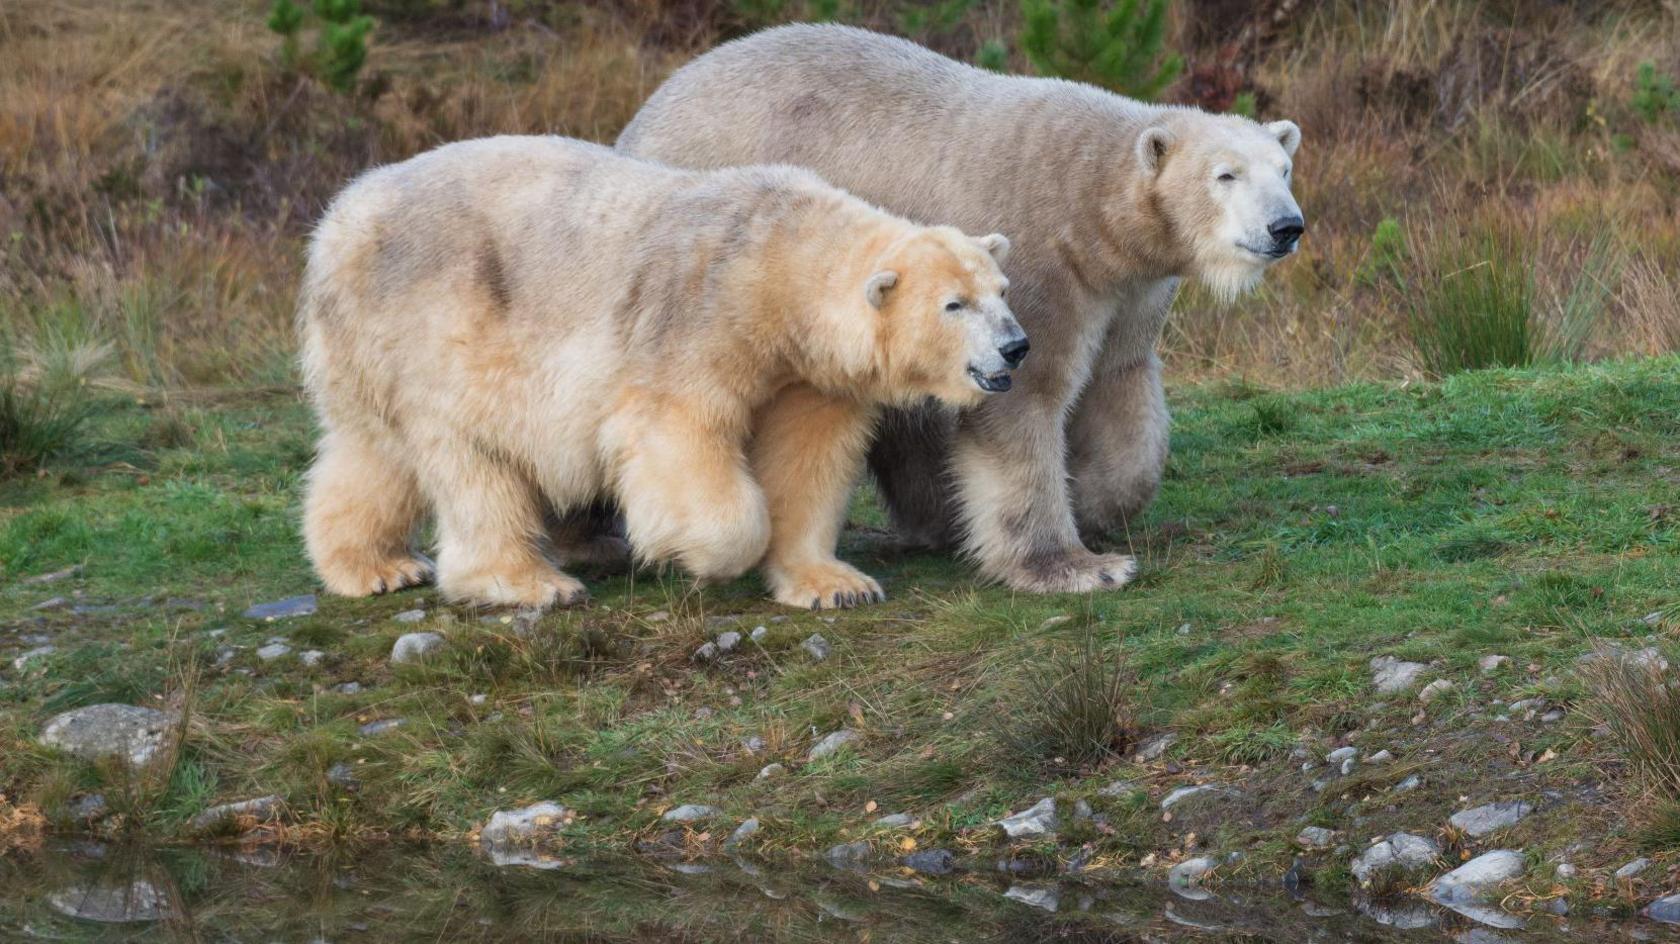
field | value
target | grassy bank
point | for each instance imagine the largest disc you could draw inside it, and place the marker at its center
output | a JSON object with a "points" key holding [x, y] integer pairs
{"points": [[1526, 514]]}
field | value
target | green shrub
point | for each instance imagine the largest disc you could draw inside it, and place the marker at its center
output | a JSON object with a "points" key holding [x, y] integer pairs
{"points": [[40, 416], [341, 32], [993, 55], [1654, 93], [1122, 48], [938, 17], [1381, 265]]}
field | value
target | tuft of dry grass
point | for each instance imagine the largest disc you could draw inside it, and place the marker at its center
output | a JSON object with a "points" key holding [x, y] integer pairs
{"points": [[1634, 698]]}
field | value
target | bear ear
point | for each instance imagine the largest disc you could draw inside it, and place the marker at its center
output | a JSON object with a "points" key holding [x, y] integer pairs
{"points": [[1288, 134], [997, 244], [876, 288], [1152, 146]]}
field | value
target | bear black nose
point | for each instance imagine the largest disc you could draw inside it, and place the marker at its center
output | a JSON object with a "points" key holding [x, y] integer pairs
{"points": [[1015, 351], [1286, 230]]}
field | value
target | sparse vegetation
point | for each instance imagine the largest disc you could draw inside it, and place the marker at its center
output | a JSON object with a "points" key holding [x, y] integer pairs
{"points": [[1074, 711]]}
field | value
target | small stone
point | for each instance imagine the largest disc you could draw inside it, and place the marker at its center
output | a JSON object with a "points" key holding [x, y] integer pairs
{"points": [[1392, 676], [1118, 788], [272, 651], [752, 744], [758, 633], [22, 661], [770, 771], [1183, 629], [415, 647], [727, 641], [53, 577], [1341, 754], [1037, 820], [691, 812], [706, 653], [524, 826], [99, 732], [1565, 871], [1481, 820], [349, 688], [477, 699], [658, 616], [1044, 898], [1435, 690], [1316, 837], [832, 743], [741, 834], [1184, 793], [51, 604], [376, 728], [1666, 910], [1491, 664], [1152, 749], [312, 657], [410, 616], [1653, 618], [1409, 784], [1402, 851], [852, 856], [343, 776], [1082, 810], [930, 862], [1474, 879], [1190, 872], [1055, 621], [1380, 757], [116, 902], [302, 605], [1633, 869], [817, 647], [894, 821], [88, 808], [228, 816], [1553, 716]]}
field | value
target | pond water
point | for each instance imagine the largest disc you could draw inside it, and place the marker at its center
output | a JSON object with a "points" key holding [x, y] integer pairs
{"points": [[83, 891]]}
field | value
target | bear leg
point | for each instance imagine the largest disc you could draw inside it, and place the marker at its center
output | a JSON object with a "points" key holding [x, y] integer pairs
{"points": [[807, 452], [489, 522], [1118, 446], [359, 511], [909, 461]]}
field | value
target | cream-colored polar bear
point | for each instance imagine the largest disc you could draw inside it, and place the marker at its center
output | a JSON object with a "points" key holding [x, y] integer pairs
{"points": [[504, 326], [1110, 202]]}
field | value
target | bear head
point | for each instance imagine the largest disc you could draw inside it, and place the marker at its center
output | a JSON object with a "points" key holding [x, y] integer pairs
{"points": [[1220, 185], [942, 326]]}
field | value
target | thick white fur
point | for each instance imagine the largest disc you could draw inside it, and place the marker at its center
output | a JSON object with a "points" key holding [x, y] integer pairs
{"points": [[1109, 201], [500, 327]]}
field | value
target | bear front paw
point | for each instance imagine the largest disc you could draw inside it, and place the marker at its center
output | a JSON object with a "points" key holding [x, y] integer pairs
{"points": [[827, 586], [1077, 572], [365, 578]]}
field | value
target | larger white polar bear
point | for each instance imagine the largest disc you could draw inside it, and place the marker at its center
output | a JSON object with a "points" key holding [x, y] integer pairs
{"points": [[1110, 202]]}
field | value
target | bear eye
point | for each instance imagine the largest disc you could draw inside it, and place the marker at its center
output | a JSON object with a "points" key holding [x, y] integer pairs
{"points": [[953, 306], [1227, 177]]}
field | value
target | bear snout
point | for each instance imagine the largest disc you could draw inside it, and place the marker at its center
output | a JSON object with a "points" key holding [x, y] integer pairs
{"points": [[1286, 232], [1014, 351]]}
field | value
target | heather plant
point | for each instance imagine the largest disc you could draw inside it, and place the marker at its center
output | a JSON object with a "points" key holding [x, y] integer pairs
{"points": [[340, 40], [1121, 47]]}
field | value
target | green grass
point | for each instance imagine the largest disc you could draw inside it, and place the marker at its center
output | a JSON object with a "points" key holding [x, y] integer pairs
{"points": [[1521, 512]]}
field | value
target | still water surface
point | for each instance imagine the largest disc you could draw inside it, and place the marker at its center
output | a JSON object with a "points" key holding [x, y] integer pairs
{"points": [[91, 892]]}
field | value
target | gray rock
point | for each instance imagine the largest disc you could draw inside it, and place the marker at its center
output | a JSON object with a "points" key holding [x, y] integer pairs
{"points": [[415, 647], [1184, 793], [1341, 754], [1475, 879], [1492, 664], [312, 657], [1633, 869], [853, 856], [1082, 810], [1118, 788], [88, 808], [1565, 871], [1037, 820], [1435, 690], [758, 634], [343, 776], [706, 653], [1666, 910], [51, 604], [1190, 872], [1152, 749], [930, 861], [478, 699], [752, 744], [1481, 820], [526, 826], [894, 821], [410, 616], [115, 903], [817, 647], [22, 661], [1392, 676], [691, 813], [382, 726], [727, 641], [53, 577], [1409, 784], [1042, 897], [1316, 837], [228, 816], [1399, 852], [1380, 757], [658, 616], [741, 834], [1553, 716], [303, 605], [832, 743], [137, 736], [349, 688], [272, 651], [770, 771]]}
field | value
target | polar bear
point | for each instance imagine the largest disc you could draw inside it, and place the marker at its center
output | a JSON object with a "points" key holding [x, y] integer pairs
{"points": [[504, 327], [1110, 202]]}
